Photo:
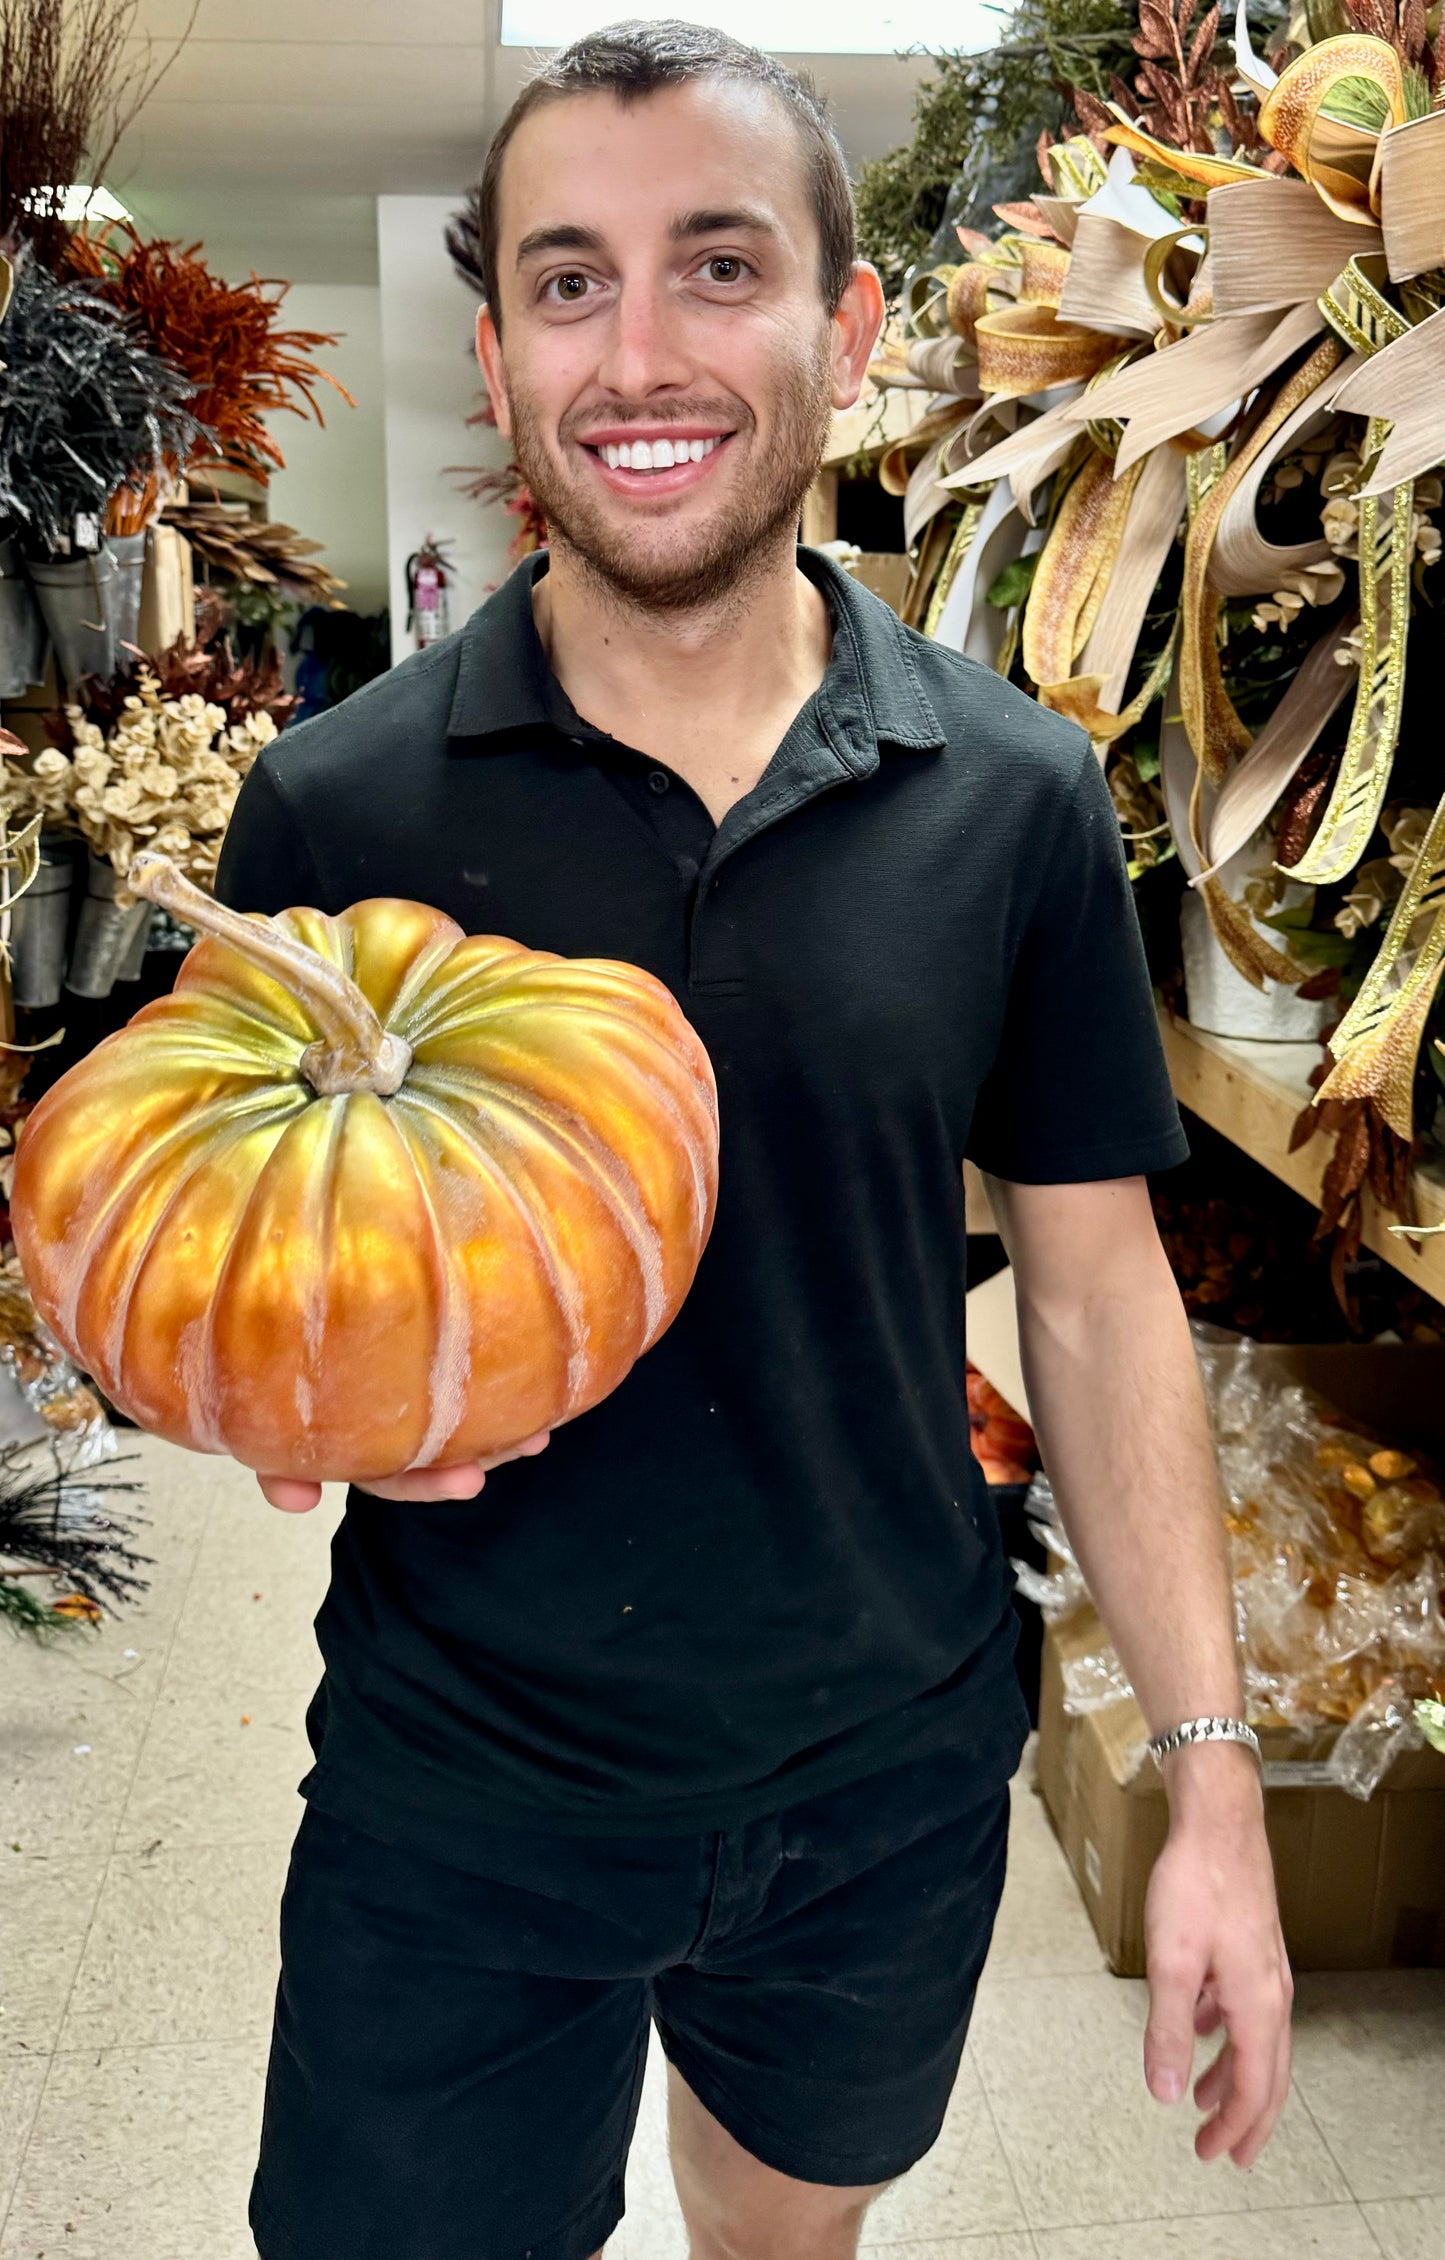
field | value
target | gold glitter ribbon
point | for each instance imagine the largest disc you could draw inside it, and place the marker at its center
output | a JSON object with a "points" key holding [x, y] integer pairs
{"points": [[1214, 729], [1357, 310], [1073, 570], [964, 535], [1376, 1044]]}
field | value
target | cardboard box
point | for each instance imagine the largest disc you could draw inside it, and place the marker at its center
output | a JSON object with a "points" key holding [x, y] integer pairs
{"points": [[1361, 1885]]}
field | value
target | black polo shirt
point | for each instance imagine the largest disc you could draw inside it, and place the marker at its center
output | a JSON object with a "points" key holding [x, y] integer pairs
{"points": [[766, 1565]]}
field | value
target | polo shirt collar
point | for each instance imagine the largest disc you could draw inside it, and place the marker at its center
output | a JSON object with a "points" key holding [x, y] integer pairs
{"points": [[871, 692]]}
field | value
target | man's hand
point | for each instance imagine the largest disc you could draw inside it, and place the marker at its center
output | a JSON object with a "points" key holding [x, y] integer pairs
{"points": [[1216, 1957], [421, 1486]]}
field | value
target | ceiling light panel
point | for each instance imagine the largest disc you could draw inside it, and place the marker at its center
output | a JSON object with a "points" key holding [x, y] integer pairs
{"points": [[787, 27]]}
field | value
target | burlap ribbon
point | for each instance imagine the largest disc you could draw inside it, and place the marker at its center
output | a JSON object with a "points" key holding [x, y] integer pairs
{"points": [[1215, 729]]}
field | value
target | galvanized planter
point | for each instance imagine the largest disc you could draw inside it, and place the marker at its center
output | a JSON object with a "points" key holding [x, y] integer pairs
{"points": [[40, 923], [106, 935], [132, 965], [122, 594], [72, 593], [24, 642]]}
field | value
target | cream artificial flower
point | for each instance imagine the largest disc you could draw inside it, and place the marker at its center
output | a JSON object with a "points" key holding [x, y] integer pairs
{"points": [[1376, 886], [1341, 521], [1341, 472], [1405, 829]]}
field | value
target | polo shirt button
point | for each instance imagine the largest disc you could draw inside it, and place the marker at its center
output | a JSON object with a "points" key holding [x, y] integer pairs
{"points": [[659, 780]]}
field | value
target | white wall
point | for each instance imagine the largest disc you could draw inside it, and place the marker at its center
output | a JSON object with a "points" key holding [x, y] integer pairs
{"points": [[431, 385], [333, 488]]}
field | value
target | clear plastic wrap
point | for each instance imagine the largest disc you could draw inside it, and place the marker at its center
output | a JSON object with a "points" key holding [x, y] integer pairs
{"points": [[52, 1404], [1337, 1548]]}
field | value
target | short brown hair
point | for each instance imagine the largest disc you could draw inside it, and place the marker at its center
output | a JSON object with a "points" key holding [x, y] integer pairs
{"points": [[631, 60]]}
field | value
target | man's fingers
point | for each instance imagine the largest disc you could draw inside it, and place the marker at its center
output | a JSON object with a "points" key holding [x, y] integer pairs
{"points": [[1253, 2061], [526, 1450], [292, 1496], [1175, 1980], [1213, 2081], [1244, 2153], [424, 1486], [420, 1486]]}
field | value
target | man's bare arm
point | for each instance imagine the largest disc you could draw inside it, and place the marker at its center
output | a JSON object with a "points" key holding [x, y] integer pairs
{"points": [[1115, 1396]]}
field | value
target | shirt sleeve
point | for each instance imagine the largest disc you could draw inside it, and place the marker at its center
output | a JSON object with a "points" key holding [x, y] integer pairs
{"points": [[1078, 1088], [265, 862]]}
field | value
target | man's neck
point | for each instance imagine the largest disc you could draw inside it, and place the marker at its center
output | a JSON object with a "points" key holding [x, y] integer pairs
{"points": [[710, 691]]}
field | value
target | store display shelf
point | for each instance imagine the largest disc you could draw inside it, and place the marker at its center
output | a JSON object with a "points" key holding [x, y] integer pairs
{"points": [[866, 426], [1252, 1093]]}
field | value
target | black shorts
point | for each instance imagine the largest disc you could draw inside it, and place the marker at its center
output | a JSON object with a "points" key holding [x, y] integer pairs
{"points": [[457, 2058]]}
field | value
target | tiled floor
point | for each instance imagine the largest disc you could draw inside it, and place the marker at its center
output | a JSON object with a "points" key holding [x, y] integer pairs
{"points": [[144, 1833]]}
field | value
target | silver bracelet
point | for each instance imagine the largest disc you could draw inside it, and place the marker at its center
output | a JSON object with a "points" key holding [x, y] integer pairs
{"points": [[1162, 1746]]}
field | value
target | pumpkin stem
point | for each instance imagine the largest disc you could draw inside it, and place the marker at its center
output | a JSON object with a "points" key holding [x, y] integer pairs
{"points": [[355, 1052]]}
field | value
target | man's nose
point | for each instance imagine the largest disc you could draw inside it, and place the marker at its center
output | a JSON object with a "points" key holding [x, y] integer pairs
{"points": [[644, 349]]}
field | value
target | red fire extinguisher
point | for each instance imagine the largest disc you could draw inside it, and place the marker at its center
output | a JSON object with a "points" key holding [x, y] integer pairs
{"points": [[426, 587]]}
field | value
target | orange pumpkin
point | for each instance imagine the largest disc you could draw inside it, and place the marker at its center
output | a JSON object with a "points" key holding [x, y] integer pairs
{"points": [[366, 1193]]}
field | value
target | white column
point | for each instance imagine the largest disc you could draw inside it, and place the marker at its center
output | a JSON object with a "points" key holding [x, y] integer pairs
{"points": [[333, 488], [432, 384]]}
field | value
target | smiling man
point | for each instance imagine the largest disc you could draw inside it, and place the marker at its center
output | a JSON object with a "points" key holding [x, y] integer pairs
{"points": [[702, 1713]]}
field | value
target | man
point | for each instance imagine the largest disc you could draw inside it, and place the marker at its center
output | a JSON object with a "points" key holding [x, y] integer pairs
{"points": [[705, 1712]]}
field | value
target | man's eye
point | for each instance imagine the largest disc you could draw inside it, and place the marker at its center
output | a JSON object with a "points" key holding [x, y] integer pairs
{"points": [[724, 268], [570, 288]]}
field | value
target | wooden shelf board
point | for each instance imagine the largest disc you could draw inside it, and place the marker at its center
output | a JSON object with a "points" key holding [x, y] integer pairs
{"points": [[851, 427], [1253, 1092]]}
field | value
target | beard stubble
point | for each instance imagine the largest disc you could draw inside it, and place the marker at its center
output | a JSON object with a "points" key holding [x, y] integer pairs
{"points": [[717, 558]]}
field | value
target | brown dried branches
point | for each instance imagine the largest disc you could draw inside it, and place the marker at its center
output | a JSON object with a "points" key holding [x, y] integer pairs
{"points": [[1402, 24], [74, 74], [242, 548], [199, 666], [1179, 90]]}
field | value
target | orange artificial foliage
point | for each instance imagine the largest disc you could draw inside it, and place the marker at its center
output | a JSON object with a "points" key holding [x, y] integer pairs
{"points": [[223, 335], [1003, 1443]]}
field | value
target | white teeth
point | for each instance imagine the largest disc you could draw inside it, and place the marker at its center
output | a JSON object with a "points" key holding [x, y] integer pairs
{"points": [[653, 455]]}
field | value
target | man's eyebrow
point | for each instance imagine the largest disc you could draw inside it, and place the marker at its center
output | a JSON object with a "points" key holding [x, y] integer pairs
{"points": [[561, 238], [721, 221]]}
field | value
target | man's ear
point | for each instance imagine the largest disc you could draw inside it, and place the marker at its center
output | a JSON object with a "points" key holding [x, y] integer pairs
{"points": [[489, 354], [856, 324]]}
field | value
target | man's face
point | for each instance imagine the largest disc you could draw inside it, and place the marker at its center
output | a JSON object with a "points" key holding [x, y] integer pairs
{"points": [[667, 366]]}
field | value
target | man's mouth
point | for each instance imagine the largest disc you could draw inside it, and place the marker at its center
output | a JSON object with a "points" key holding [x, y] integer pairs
{"points": [[653, 455], [661, 462]]}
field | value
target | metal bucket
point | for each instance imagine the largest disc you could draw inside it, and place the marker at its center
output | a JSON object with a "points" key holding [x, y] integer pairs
{"points": [[24, 643], [72, 593], [40, 924], [106, 934], [122, 595], [132, 965]]}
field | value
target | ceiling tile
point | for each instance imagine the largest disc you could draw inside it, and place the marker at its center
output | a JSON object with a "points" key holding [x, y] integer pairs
{"points": [[336, 22], [412, 76]]}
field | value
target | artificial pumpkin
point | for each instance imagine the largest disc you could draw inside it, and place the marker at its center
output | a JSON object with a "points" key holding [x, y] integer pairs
{"points": [[366, 1193]]}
